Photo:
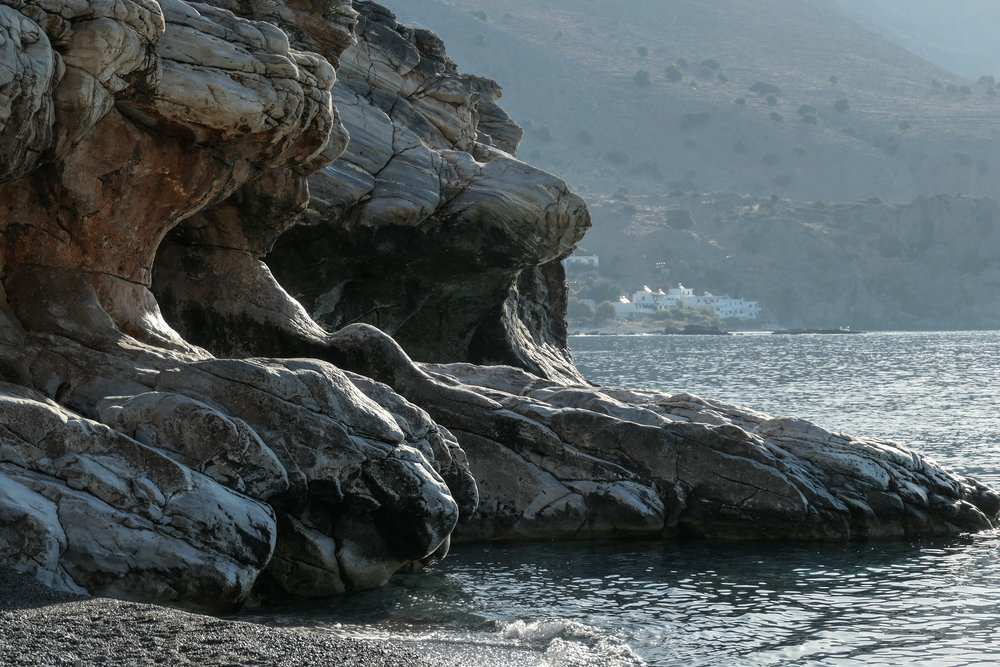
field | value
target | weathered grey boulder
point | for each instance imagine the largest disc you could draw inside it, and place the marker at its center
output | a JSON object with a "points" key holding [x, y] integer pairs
{"points": [[555, 460], [85, 507], [131, 462], [426, 227]]}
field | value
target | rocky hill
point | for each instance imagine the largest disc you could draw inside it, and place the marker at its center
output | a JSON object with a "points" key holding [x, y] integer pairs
{"points": [[665, 96], [958, 35], [176, 427], [933, 263], [649, 109]]}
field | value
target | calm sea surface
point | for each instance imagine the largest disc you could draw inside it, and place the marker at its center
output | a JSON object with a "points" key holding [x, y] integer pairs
{"points": [[934, 602]]}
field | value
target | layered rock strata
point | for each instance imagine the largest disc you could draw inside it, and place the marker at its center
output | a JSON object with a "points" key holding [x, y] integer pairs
{"points": [[426, 226], [557, 460], [132, 463], [172, 144]]}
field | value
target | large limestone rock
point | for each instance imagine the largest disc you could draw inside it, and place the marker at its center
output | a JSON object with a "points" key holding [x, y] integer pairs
{"points": [[426, 226], [175, 143], [556, 460], [132, 463], [86, 507]]}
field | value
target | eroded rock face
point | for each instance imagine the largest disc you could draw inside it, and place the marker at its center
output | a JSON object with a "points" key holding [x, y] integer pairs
{"points": [[135, 463], [556, 460], [426, 227], [131, 462], [88, 508]]}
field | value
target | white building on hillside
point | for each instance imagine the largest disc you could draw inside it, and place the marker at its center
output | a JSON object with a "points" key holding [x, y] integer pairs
{"points": [[646, 301]]}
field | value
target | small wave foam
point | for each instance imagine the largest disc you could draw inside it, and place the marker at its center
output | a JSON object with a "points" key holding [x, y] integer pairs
{"points": [[565, 643]]}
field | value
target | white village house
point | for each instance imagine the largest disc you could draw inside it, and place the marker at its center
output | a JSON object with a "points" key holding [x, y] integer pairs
{"points": [[646, 301]]}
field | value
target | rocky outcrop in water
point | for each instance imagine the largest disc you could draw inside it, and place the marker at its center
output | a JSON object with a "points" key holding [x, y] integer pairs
{"points": [[557, 460], [171, 145]]}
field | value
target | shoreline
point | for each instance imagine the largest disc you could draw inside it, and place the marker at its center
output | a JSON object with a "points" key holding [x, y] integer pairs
{"points": [[41, 626]]}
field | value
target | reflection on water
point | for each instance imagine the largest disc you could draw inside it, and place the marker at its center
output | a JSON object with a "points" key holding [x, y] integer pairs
{"points": [[693, 603], [690, 603]]}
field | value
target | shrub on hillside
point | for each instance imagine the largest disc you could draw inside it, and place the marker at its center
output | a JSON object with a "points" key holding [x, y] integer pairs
{"points": [[641, 78], [616, 158], [605, 311], [642, 51], [904, 125], [543, 133], [682, 314], [776, 117], [680, 218], [771, 100], [740, 101], [711, 64], [673, 74], [578, 310], [762, 88], [806, 109], [842, 104], [600, 289], [479, 14], [692, 120], [810, 119]]}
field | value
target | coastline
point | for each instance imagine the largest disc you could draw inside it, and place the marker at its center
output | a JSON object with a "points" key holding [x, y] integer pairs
{"points": [[40, 626]]}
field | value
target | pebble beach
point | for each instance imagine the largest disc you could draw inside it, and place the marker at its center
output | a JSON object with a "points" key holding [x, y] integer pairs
{"points": [[39, 626]]}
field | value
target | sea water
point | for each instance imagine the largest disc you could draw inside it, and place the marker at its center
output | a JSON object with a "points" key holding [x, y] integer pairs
{"points": [[933, 601]]}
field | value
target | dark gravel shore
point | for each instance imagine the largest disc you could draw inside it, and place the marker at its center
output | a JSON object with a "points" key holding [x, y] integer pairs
{"points": [[39, 626]]}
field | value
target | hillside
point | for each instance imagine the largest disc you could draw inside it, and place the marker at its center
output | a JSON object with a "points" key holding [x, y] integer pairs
{"points": [[852, 116], [933, 263], [960, 35]]}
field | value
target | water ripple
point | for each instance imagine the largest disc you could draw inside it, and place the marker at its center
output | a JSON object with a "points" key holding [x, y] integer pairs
{"points": [[616, 603]]}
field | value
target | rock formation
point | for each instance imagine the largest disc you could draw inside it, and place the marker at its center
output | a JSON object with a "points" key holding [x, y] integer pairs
{"points": [[426, 227], [121, 121], [172, 145], [557, 460]]}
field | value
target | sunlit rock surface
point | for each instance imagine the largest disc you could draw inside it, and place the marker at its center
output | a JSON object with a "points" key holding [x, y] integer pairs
{"points": [[259, 447], [557, 460], [132, 463], [426, 227]]}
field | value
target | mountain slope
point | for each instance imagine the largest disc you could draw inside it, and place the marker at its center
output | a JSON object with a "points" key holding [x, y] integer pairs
{"points": [[569, 72], [960, 35]]}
